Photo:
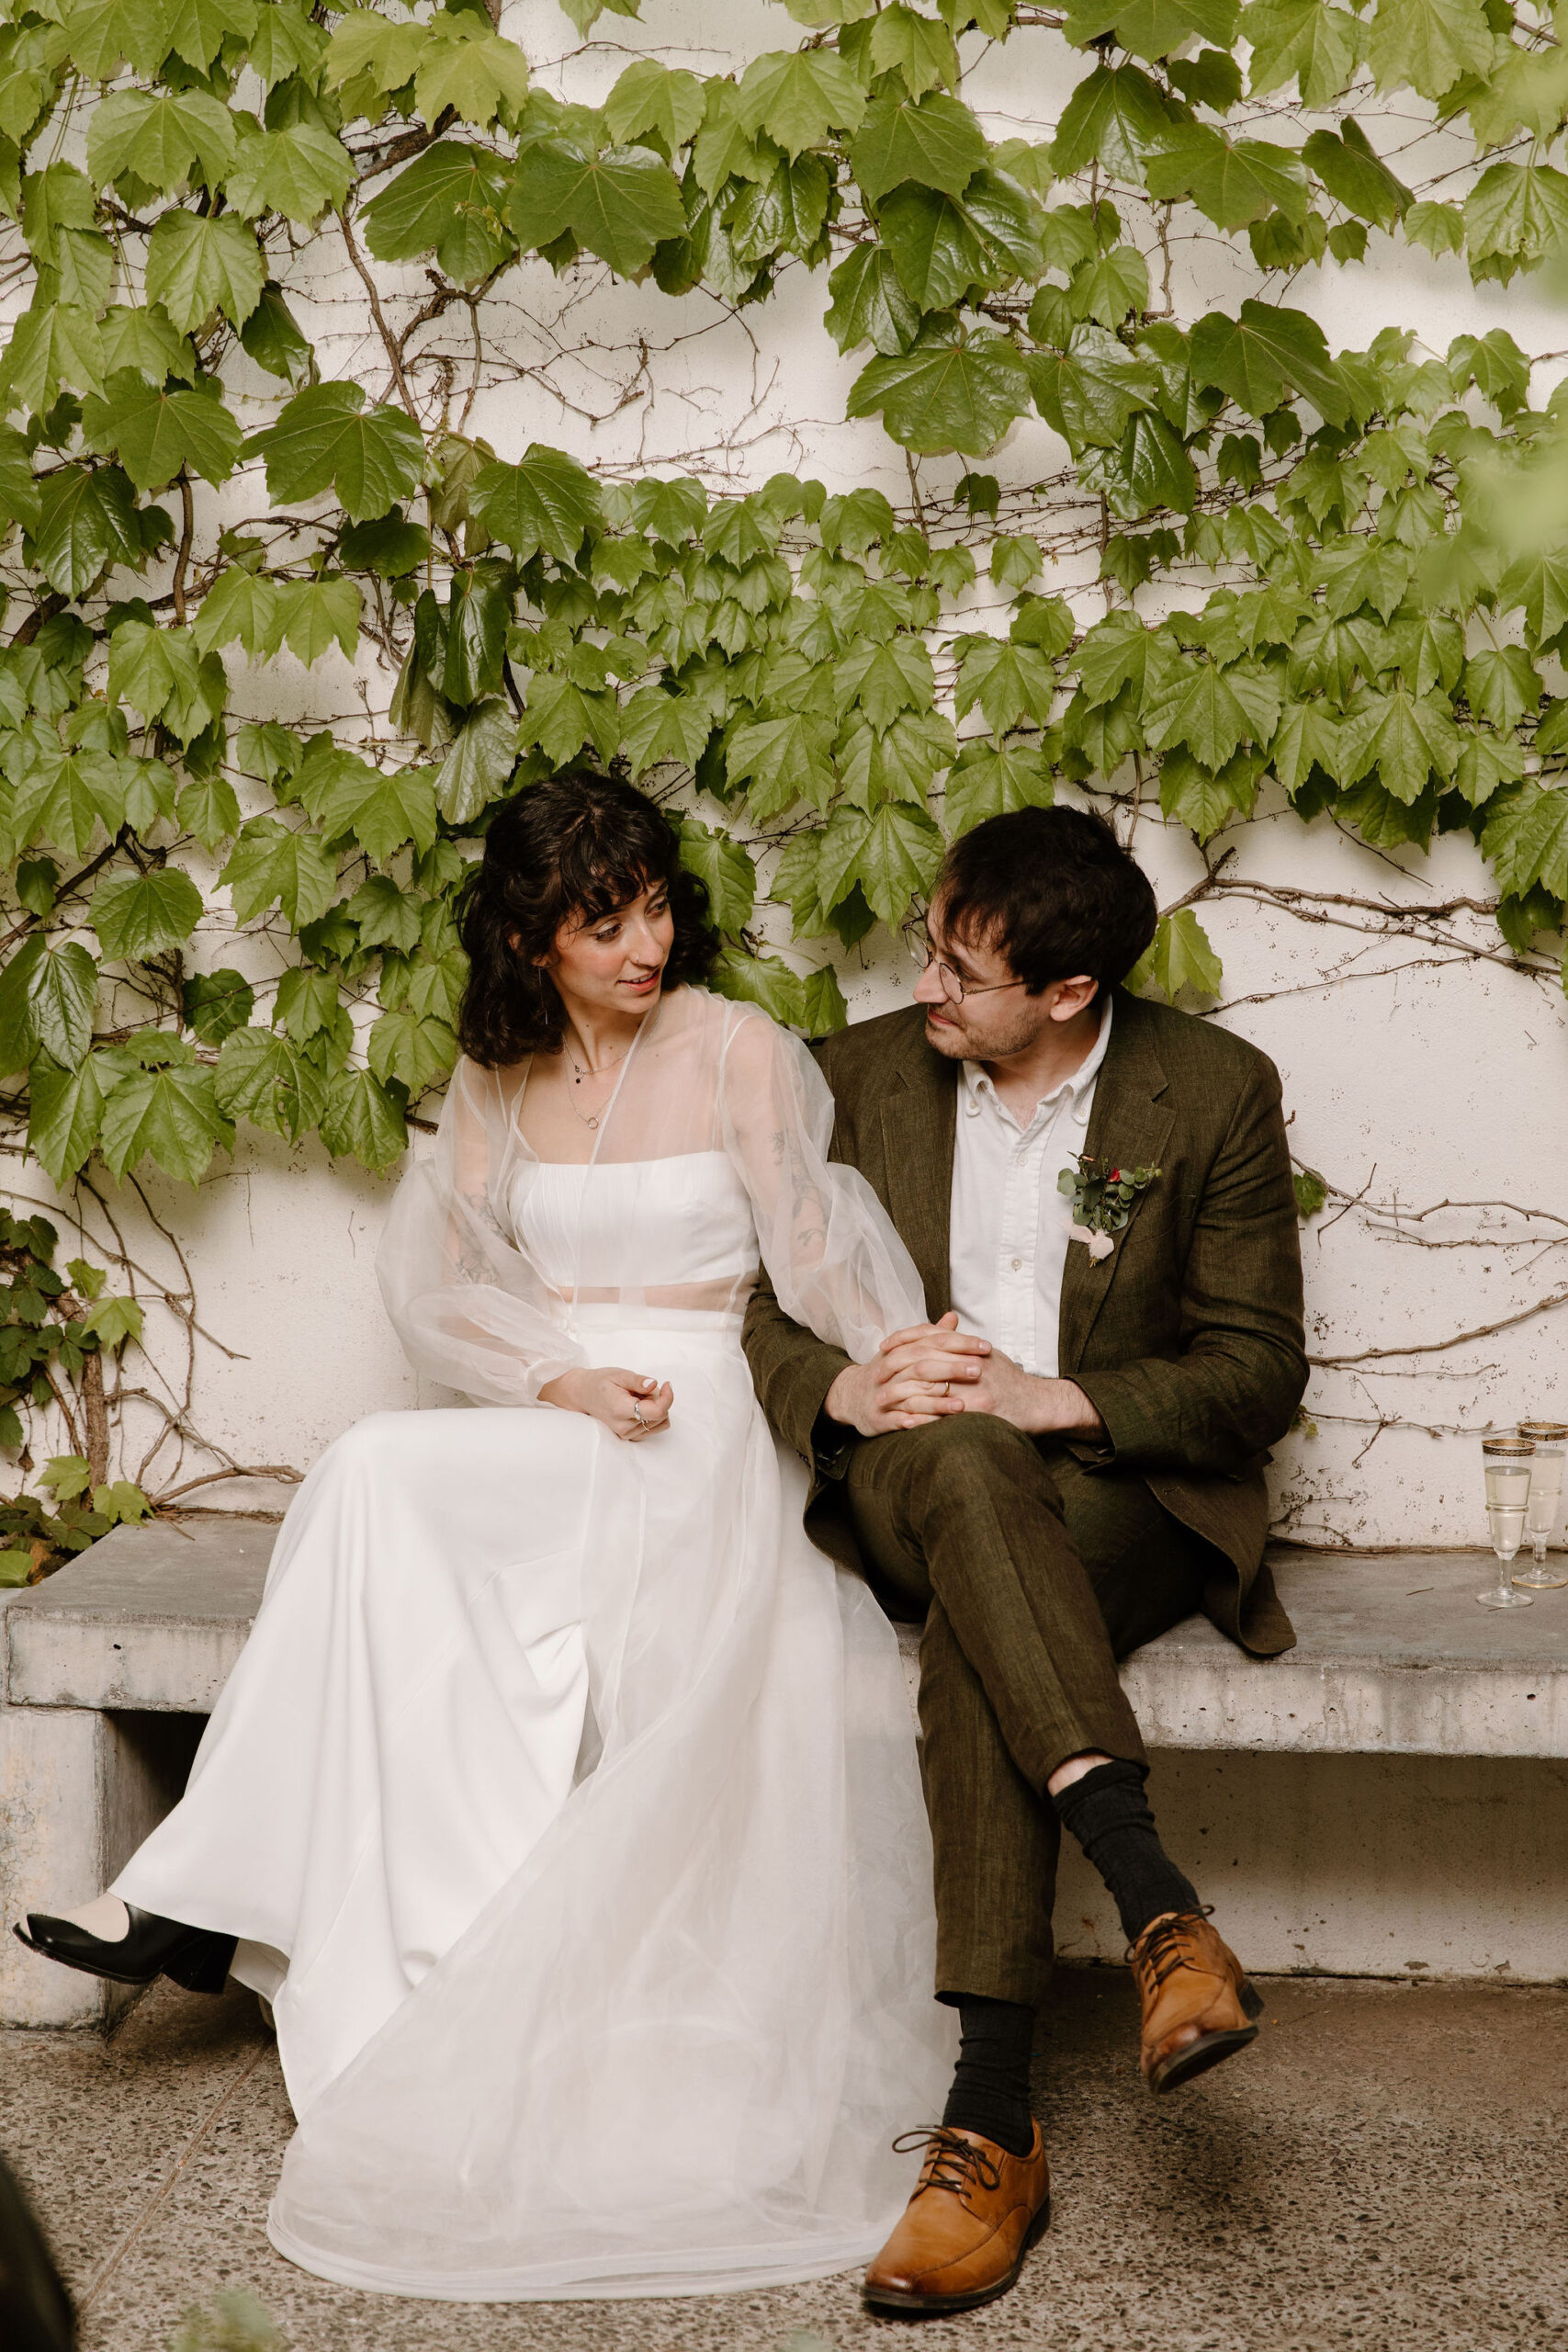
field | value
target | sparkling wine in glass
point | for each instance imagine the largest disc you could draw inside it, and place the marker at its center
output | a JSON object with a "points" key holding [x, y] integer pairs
{"points": [[1506, 1465], [1543, 1512]]}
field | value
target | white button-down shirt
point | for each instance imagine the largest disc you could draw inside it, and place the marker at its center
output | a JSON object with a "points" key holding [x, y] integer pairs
{"points": [[1010, 1225]]}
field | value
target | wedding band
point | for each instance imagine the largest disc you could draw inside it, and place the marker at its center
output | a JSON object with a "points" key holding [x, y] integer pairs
{"points": [[946, 1387], [637, 1415]]}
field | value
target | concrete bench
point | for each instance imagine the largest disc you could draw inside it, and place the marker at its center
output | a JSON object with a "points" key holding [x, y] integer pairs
{"points": [[1395, 1784]]}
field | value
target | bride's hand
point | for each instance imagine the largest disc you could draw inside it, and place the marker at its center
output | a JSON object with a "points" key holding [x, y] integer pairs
{"points": [[630, 1404]]}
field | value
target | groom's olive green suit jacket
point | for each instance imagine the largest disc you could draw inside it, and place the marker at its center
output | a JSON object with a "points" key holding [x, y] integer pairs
{"points": [[1187, 1339]]}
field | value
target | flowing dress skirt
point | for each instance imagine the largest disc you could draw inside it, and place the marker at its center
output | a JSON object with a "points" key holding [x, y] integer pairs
{"points": [[565, 1802]]}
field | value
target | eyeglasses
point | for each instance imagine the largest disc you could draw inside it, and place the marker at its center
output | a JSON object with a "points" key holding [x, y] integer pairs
{"points": [[955, 986]]}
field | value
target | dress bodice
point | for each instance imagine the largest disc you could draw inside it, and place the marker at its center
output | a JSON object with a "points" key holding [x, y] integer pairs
{"points": [[628, 1228]]}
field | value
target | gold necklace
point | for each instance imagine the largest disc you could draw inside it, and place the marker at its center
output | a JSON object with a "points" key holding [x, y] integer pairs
{"points": [[583, 1071]]}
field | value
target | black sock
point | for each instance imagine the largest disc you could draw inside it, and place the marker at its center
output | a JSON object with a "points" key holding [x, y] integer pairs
{"points": [[990, 2088], [1109, 1815]]}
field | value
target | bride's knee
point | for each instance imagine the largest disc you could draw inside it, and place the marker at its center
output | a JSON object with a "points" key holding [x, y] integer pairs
{"points": [[373, 1449]]}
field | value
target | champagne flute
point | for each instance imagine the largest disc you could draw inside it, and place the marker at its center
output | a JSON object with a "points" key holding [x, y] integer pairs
{"points": [[1543, 1512], [1507, 1464]]}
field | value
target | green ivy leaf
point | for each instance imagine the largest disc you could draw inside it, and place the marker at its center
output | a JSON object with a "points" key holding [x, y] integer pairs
{"points": [[870, 304], [1152, 29], [1429, 43], [321, 440], [196, 267], [450, 201], [545, 504], [649, 96], [239, 606], [197, 28], [1009, 683], [619, 203], [386, 916], [1527, 840], [724, 868], [157, 136], [64, 1110], [1319, 48], [216, 1004], [1180, 958], [933, 141], [765, 980], [1231, 180], [658, 727], [1193, 795], [467, 66], [63, 796], [168, 1115], [1090, 391], [362, 1120], [312, 616], [265, 1076], [951, 390], [784, 760], [48, 995], [1403, 736], [478, 767], [410, 1049], [138, 915], [797, 96], [1115, 117], [892, 853], [59, 345], [992, 781], [273, 337], [87, 520], [154, 433], [272, 864], [301, 172], [1356, 176], [1517, 211], [1255, 358]]}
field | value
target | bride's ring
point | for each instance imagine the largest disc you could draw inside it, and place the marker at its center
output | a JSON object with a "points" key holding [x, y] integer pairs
{"points": [[637, 1415]]}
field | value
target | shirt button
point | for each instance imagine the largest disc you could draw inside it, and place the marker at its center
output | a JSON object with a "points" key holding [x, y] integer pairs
{"points": [[973, 1109], [1017, 1265]]}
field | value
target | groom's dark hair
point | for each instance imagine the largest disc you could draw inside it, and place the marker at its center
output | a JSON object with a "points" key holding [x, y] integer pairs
{"points": [[1053, 892]]}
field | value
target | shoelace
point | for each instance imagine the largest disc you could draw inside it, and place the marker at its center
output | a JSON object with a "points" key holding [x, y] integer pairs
{"points": [[951, 2163], [1159, 1953]]}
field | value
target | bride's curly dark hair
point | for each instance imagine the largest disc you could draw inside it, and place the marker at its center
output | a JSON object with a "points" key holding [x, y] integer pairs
{"points": [[572, 850]]}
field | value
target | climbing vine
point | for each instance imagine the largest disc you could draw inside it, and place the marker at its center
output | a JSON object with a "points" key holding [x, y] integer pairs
{"points": [[1290, 590]]}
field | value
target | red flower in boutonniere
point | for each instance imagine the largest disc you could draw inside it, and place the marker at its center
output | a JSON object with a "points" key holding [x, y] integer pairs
{"points": [[1102, 1200]]}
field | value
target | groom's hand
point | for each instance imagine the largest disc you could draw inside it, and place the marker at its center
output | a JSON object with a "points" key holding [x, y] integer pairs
{"points": [[918, 1375], [1040, 1407]]}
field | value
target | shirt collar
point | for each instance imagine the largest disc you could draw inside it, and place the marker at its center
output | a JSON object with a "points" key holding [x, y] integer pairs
{"points": [[978, 1086]]}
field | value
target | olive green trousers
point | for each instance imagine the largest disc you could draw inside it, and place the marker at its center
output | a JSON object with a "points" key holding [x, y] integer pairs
{"points": [[1033, 1574]]}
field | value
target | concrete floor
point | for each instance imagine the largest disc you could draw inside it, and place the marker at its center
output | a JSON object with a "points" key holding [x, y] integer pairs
{"points": [[1387, 2167]]}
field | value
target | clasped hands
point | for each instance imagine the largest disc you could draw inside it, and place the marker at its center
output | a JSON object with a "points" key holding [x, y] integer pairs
{"points": [[934, 1369]]}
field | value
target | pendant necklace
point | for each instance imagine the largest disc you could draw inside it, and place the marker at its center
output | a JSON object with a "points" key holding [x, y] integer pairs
{"points": [[583, 1071]]}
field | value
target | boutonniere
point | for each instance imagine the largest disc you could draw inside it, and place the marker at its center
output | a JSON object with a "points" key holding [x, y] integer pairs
{"points": [[1102, 1200]]}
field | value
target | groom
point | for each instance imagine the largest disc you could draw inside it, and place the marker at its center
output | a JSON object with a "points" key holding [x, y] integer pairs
{"points": [[1063, 1463]]}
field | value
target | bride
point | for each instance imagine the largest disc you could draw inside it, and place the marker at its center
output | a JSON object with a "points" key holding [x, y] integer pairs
{"points": [[564, 1802]]}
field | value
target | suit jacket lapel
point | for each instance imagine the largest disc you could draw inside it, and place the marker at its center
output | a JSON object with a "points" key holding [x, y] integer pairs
{"points": [[920, 1122], [1130, 1126]]}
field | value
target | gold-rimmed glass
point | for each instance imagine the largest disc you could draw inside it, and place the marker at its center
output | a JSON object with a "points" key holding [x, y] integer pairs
{"points": [[1543, 1512], [1506, 1465], [955, 986]]}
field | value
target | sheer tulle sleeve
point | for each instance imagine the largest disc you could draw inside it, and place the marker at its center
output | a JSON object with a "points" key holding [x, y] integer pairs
{"points": [[831, 1251], [470, 1310]]}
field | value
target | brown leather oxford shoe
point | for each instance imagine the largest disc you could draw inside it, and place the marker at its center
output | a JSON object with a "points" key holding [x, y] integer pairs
{"points": [[965, 2231], [1198, 2005]]}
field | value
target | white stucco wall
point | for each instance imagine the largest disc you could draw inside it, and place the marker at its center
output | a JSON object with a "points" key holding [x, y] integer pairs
{"points": [[1414, 1073]]}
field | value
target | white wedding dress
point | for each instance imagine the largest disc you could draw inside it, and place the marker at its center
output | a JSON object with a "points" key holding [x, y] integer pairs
{"points": [[565, 1798]]}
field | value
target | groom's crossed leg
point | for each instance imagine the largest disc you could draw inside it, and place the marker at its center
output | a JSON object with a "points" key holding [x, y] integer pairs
{"points": [[1036, 1574]]}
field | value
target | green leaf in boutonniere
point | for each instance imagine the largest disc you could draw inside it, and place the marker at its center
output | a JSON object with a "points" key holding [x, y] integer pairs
{"points": [[1102, 1198]]}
